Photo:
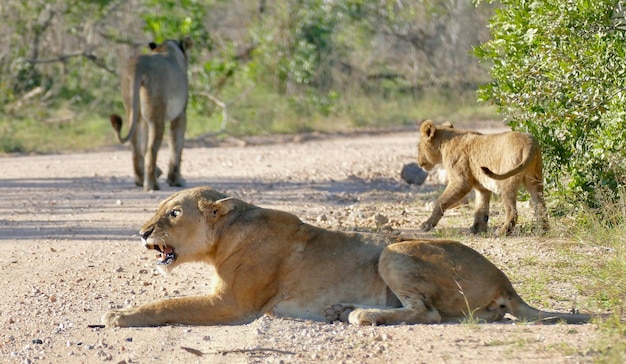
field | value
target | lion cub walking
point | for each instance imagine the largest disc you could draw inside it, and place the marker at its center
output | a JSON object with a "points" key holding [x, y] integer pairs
{"points": [[498, 163], [155, 91]]}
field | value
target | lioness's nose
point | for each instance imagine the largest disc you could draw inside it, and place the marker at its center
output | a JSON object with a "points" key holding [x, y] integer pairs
{"points": [[146, 233]]}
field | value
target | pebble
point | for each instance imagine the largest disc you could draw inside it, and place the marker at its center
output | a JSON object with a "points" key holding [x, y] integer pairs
{"points": [[380, 219], [412, 174]]}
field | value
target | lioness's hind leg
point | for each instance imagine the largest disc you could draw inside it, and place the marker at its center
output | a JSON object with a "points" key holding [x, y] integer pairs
{"points": [[155, 136], [177, 140], [338, 312], [402, 268], [365, 315], [139, 142], [417, 313]]}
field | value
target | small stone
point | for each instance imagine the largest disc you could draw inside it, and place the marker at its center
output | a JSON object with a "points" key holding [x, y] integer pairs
{"points": [[380, 219], [412, 174], [37, 341], [119, 202]]}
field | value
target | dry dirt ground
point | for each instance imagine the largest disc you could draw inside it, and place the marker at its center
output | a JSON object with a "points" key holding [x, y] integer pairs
{"points": [[68, 230]]}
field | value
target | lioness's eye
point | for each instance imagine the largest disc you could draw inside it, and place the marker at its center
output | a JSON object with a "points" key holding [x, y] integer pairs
{"points": [[175, 213]]}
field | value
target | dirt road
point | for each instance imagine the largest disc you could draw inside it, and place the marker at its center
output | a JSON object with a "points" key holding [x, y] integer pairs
{"points": [[68, 232]]}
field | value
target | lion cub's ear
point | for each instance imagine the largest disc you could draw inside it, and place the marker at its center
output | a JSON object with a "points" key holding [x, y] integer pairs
{"points": [[213, 210], [428, 129]]}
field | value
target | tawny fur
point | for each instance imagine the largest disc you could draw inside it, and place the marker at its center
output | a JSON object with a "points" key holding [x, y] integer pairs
{"points": [[270, 262], [155, 91], [494, 163]]}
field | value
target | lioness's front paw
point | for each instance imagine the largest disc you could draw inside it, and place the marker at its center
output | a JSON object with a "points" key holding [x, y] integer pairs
{"points": [[124, 317], [112, 318], [338, 312]]}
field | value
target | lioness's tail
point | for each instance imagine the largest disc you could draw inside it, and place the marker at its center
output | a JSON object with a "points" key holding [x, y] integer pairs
{"points": [[116, 120], [524, 312]]}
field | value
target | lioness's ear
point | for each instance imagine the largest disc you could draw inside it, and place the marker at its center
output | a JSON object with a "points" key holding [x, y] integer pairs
{"points": [[448, 124], [428, 129], [216, 209]]}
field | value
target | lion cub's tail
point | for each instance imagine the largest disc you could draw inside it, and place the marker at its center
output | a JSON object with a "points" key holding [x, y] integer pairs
{"points": [[524, 312], [528, 158]]}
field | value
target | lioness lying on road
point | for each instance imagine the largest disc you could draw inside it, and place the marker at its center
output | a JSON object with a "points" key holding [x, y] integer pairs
{"points": [[499, 163], [270, 262]]}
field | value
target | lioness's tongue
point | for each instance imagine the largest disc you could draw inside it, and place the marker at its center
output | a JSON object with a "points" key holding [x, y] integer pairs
{"points": [[166, 250]]}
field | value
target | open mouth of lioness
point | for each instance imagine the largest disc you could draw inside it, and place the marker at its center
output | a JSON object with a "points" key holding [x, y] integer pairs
{"points": [[166, 254]]}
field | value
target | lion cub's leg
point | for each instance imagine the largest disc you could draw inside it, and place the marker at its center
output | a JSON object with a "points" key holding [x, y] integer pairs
{"points": [[481, 211], [177, 140], [534, 186], [509, 200], [453, 193]]}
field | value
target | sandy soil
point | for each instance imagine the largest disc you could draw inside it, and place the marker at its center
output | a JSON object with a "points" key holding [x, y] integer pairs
{"points": [[68, 230]]}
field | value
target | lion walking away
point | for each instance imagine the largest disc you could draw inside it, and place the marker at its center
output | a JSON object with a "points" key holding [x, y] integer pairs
{"points": [[494, 163], [155, 91], [271, 262]]}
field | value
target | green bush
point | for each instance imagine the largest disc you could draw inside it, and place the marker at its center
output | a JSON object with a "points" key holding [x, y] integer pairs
{"points": [[559, 72]]}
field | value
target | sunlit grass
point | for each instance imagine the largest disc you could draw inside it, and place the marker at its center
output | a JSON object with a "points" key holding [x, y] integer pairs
{"points": [[598, 254]]}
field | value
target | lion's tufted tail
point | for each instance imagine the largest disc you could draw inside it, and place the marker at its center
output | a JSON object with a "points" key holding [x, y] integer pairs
{"points": [[116, 120], [524, 312]]}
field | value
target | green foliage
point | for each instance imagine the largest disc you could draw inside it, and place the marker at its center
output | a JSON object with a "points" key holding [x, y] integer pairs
{"points": [[173, 19], [559, 72], [280, 66]]}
